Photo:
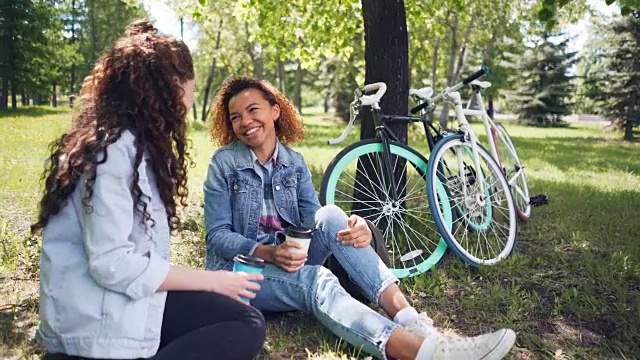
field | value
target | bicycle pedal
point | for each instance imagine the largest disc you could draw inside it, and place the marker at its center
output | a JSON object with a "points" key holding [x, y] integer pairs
{"points": [[538, 200]]}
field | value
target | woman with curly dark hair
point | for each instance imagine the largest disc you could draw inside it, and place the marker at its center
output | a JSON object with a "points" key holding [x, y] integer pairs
{"points": [[113, 184], [257, 186]]}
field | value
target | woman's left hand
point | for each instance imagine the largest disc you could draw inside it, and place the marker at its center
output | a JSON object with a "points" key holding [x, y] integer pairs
{"points": [[357, 233]]}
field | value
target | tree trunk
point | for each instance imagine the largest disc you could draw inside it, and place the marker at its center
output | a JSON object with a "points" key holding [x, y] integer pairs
{"points": [[490, 108], [434, 64], [93, 30], [463, 51], [212, 70], [489, 49], [54, 101], [628, 130], [282, 78], [4, 94], [256, 59], [72, 85], [444, 116], [387, 60], [297, 89], [14, 96]]}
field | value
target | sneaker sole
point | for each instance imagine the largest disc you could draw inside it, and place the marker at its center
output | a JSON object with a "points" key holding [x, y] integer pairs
{"points": [[502, 347]]}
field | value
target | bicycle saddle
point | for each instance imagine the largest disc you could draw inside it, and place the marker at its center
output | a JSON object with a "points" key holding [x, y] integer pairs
{"points": [[424, 93], [482, 84]]}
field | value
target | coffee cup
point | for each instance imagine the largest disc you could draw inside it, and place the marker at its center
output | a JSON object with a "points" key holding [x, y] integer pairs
{"points": [[301, 236], [248, 264]]}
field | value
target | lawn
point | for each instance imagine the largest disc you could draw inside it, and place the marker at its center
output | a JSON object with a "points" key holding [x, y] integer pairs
{"points": [[571, 290]]}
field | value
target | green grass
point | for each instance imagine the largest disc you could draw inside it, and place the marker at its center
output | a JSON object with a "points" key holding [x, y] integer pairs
{"points": [[571, 290]]}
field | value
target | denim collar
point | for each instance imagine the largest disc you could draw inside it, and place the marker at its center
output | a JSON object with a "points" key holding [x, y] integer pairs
{"points": [[244, 159]]}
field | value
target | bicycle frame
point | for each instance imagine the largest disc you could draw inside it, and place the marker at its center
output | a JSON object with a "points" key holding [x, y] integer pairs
{"points": [[488, 125], [384, 134]]}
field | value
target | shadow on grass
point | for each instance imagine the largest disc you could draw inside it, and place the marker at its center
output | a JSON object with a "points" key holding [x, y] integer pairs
{"points": [[573, 283], [16, 322], [32, 111]]}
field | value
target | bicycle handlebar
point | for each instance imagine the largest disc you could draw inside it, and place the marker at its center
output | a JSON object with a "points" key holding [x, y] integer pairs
{"points": [[483, 70], [372, 100], [352, 118], [359, 99]]}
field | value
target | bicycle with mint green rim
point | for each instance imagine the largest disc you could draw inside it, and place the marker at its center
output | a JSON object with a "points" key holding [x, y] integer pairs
{"points": [[486, 230], [385, 181]]}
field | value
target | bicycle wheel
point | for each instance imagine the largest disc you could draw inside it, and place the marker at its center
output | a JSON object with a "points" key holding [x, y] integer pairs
{"points": [[513, 170], [485, 230], [355, 181]]}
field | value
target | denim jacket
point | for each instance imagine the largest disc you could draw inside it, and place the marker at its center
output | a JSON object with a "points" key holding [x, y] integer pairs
{"points": [[233, 196], [99, 271]]}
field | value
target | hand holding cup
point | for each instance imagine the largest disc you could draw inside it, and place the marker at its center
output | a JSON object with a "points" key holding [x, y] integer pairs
{"points": [[291, 261], [239, 286]]}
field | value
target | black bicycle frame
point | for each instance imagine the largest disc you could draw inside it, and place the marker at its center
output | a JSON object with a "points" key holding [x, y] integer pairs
{"points": [[384, 134]]}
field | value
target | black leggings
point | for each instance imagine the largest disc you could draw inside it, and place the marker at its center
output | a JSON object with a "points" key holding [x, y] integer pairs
{"points": [[203, 325]]}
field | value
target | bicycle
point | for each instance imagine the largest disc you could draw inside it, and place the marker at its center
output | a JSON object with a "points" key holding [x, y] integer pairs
{"points": [[501, 146], [476, 185], [384, 181]]}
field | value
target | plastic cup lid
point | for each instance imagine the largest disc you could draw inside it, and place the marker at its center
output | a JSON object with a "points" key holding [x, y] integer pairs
{"points": [[299, 232], [249, 261]]}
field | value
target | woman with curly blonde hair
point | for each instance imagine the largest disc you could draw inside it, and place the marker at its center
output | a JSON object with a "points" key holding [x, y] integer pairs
{"points": [[257, 186], [113, 183]]}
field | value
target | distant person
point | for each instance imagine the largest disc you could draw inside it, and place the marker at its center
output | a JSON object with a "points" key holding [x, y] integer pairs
{"points": [[113, 185], [257, 186]]}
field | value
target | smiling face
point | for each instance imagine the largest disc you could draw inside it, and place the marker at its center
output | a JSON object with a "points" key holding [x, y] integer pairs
{"points": [[253, 121]]}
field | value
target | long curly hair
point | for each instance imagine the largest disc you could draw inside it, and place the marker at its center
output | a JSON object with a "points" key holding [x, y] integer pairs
{"points": [[136, 86], [288, 127]]}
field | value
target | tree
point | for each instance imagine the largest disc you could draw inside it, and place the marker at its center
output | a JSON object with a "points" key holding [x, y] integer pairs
{"points": [[590, 84], [387, 60], [386, 57], [36, 50], [621, 98], [103, 23], [543, 95]]}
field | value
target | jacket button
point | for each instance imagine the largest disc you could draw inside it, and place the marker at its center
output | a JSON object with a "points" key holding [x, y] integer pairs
{"points": [[282, 209], [277, 187]]}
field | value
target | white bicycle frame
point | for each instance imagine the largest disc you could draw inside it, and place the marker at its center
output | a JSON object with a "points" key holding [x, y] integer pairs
{"points": [[488, 125]]}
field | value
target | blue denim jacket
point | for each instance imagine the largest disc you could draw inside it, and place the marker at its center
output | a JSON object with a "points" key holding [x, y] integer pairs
{"points": [[99, 271], [233, 197]]}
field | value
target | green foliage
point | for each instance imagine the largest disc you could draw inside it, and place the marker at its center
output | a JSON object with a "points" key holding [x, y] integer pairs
{"points": [[101, 22], [554, 12], [51, 42], [542, 97], [614, 77]]}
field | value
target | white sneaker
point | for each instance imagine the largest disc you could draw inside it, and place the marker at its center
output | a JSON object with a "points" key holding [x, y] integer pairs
{"points": [[491, 346], [422, 326]]}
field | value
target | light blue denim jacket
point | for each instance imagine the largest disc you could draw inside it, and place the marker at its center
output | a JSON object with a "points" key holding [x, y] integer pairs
{"points": [[99, 271], [233, 196]]}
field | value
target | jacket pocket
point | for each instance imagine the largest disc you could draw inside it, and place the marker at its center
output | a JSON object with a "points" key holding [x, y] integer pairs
{"points": [[291, 194], [123, 317], [239, 191]]}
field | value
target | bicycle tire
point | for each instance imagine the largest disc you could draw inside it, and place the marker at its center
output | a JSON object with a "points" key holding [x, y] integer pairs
{"points": [[514, 171], [407, 229], [494, 201]]}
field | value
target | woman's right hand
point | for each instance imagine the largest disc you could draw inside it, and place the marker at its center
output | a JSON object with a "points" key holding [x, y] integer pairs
{"points": [[233, 284], [287, 260]]}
